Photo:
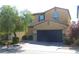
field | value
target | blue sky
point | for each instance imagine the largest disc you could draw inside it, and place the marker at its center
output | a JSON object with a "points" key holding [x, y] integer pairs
{"points": [[42, 5]]}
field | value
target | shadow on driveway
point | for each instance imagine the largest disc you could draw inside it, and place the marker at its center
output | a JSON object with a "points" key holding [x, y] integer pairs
{"points": [[76, 49], [13, 49], [44, 43]]}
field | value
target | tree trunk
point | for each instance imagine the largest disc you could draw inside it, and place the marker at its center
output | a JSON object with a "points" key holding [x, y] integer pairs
{"points": [[15, 34], [7, 37]]}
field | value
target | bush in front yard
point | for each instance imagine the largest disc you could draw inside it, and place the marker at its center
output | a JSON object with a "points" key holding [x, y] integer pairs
{"points": [[76, 42], [24, 37], [30, 37], [2, 43], [15, 40], [68, 41]]}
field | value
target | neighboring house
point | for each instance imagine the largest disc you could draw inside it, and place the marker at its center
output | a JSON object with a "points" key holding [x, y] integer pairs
{"points": [[49, 26]]}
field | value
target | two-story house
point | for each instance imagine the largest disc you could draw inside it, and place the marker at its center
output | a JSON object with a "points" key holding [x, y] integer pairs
{"points": [[49, 26]]}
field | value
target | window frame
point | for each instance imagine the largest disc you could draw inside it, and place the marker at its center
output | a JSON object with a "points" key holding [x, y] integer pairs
{"points": [[40, 19], [56, 15]]}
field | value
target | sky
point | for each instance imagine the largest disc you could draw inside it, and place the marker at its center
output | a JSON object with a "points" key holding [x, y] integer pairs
{"points": [[36, 6]]}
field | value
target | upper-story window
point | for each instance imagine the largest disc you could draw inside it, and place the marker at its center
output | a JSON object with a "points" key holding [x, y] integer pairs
{"points": [[56, 15], [41, 17]]}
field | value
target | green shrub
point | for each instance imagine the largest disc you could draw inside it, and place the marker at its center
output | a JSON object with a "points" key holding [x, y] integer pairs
{"points": [[30, 37], [76, 42], [24, 37], [68, 41], [2, 42], [15, 40]]}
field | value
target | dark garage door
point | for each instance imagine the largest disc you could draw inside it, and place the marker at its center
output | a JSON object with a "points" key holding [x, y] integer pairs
{"points": [[49, 35]]}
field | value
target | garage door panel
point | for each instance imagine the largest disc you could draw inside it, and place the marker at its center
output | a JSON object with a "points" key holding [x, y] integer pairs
{"points": [[49, 35]]}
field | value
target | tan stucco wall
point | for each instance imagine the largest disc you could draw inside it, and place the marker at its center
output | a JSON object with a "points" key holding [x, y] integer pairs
{"points": [[30, 31], [50, 26], [36, 17], [64, 15], [19, 35]]}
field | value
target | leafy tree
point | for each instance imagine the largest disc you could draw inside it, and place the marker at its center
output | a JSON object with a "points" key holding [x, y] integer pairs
{"points": [[27, 18], [73, 32], [8, 17], [11, 22], [18, 26]]}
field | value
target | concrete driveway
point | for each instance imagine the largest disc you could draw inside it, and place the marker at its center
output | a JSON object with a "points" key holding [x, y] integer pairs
{"points": [[35, 48]]}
